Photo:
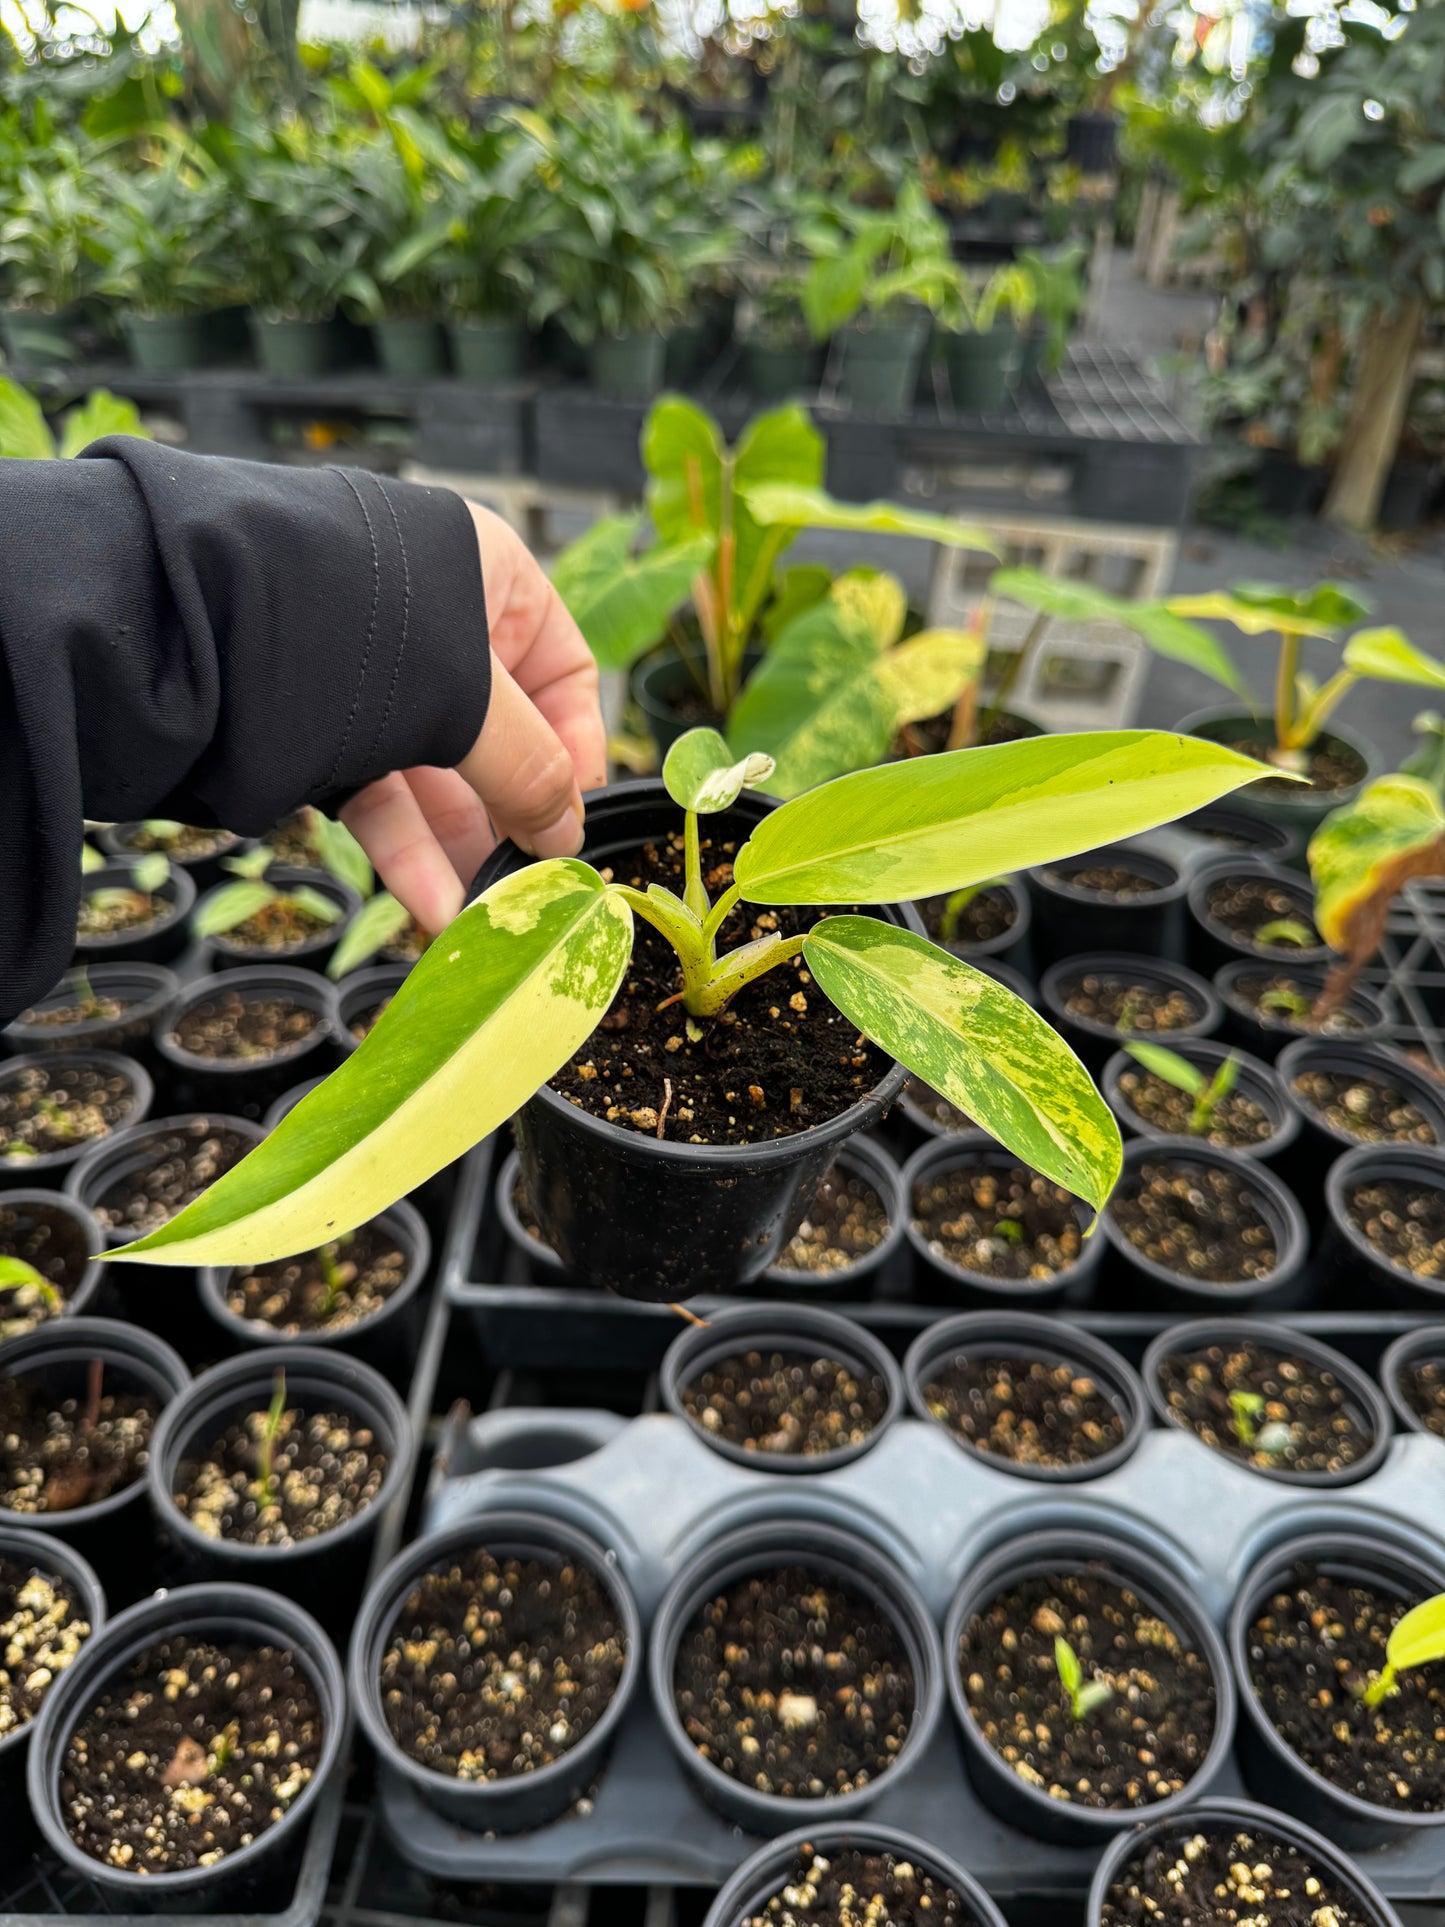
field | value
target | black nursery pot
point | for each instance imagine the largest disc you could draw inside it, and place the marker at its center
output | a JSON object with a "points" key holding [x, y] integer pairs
{"points": [[1253, 1079], [1365, 1397], [804, 1330], [1265, 1033], [870, 1161], [53, 1559], [224, 953], [1095, 1041], [1354, 1269], [1011, 946], [523, 1800], [1320, 1142], [1071, 1549], [1212, 943], [652, 1219], [158, 942], [1423, 1346], [1070, 917], [1142, 1282], [1273, 1771], [249, 1877], [45, 1226], [1149, 1842], [50, 1167], [1238, 832], [325, 1574], [115, 840], [144, 989], [765, 1872], [247, 1086], [112, 1533], [543, 1266], [385, 1339], [359, 993], [1052, 1341], [955, 1284], [794, 1538]]}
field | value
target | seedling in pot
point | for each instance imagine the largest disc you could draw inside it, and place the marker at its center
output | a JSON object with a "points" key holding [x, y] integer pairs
{"points": [[1289, 1003], [32, 1289], [374, 926], [1417, 1640], [121, 905], [237, 903], [1246, 1409], [1286, 930], [1085, 1696], [266, 1447], [336, 1273], [1208, 1093], [523, 977], [957, 902]]}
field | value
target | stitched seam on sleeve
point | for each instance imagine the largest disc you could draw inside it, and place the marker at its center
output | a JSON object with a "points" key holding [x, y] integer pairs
{"points": [[405, 620], [341, 747]]}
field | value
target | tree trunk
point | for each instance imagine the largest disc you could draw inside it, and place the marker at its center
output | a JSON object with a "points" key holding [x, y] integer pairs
{"points": [[1377, 414]]}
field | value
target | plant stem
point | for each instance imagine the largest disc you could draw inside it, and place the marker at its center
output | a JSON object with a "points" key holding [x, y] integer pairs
{"points": [[694, 894], [1284, 691], [266, 1451], [718, 915], [1380, 1689], [1011, 674]]}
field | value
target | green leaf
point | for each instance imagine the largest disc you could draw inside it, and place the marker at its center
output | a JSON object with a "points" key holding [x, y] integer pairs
{"points": [[1419, 1638], [801, 588], [621, 602], [378, 920], [14, 1272], [1166, 633], [1388, 655], [497, 1004], [342, 855], [1066, 1665], [1422, 169], [251, 863], [24, 435], [1362, 856], [1169, 1065], [314, 903], [813, 508], [934, 823], [926, 675], [230, 905], [1261, 608], [164, 828], [151, 870], [976, 1043], [101, 413], [702, 776], [1091, 1696], [90, 859]]}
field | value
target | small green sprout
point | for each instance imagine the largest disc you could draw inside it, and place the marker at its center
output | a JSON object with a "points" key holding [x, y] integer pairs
{"points": [[266, 1450], [1247, 1409], [90, 859], [1131, 1010], [236, 903], [1287, 930], [1085, 1696], [1010, 1230], [1208, 1093], [955, 905], [29, 1285], [224, 1749], [336, 1271], [1416, 1640], [1288, 1001]]}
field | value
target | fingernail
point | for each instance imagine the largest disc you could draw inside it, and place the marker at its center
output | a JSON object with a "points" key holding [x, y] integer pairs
{"points": [[562, 838]]}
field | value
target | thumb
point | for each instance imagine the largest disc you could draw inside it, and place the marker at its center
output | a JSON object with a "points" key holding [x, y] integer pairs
{"points": [[521, 770]]}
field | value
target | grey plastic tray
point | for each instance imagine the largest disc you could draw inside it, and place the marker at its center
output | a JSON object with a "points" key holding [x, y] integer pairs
{"points": [[652, 1492]]}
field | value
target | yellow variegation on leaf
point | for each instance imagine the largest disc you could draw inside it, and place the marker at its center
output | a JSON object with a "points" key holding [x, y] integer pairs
{"points": [[1361, 857]]}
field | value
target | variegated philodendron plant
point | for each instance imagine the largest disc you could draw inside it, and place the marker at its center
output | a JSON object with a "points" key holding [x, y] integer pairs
{"points": [[521, 979]]}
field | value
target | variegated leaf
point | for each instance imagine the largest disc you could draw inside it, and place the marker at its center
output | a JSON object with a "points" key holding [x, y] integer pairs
{"points": [[1388, 655], [1364, 854], [702, 776]]}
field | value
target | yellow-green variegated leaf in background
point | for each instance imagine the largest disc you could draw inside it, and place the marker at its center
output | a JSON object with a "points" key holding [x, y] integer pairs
{"points": [[976, 1043], [1362, 855], [492, 1010]]}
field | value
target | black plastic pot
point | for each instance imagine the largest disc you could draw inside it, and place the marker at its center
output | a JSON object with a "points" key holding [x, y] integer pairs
{"points": [[203, 871], [146, 990], [247, 1086], [1267, 1033], [1423, 1346], [160, 942], [653, 1219], [1286, 487], [1272, 1770], [1055, 1342], [410, 348], [1213, 944], [294, 350], [794, 1538], [223, 953], [762, 1874], [628, 367], [1062, 1550], [1239, 833], [325, 1575], [865, 1158], [1011, 946], [30, 1222], [52, 1558], [1210, 1816], [773, 373], [803, 1329], [363, 990], [1141, 1282], [1198, 1333], [525, 1800], [1355, 1272], [1069, 918], [659, 683], [954, 1285], [1299, 805], [1096, 1043], [1319, 1142], [166, 344], [50, 1167], [488, 351], [878, 365], [982, 369], [221, 1612], [385, 1340], [1253, 1079], [112, 1533]]}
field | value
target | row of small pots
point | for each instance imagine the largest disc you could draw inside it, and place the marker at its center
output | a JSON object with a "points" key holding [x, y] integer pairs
{"points": [[174, 907]]}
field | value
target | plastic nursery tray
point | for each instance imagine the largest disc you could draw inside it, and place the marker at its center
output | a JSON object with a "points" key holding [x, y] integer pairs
{"points": [[654, 1494]]}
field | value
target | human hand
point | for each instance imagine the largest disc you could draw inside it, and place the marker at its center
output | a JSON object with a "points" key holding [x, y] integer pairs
{"points": [[427, 831]]}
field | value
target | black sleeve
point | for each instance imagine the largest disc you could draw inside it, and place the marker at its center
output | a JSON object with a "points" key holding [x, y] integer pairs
{"points": [[218, 641]]}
